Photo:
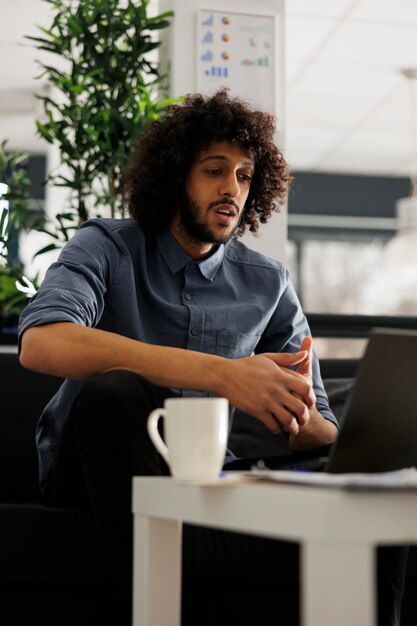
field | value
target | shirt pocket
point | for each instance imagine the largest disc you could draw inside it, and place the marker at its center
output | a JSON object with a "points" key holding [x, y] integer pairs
{"points": [[235, 345]]}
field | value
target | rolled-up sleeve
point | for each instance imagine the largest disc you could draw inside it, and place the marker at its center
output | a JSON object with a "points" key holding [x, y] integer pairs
{"points": [[74, 287]]}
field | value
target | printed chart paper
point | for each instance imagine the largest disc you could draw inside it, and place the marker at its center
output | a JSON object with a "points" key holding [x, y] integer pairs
{"points": [[237, 50]]}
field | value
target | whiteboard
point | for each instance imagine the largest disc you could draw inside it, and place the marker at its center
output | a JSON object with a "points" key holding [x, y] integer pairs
{"points": [[237, 50]]}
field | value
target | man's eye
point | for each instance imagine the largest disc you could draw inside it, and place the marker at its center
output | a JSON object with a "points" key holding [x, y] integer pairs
{"points": [[246, 178], [214, 171]]}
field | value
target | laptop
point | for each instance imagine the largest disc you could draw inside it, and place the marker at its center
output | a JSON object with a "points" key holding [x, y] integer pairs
{"points": [[378, 428]]}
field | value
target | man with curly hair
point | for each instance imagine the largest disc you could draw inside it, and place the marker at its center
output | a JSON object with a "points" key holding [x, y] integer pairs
{"points": [[170, 303]]}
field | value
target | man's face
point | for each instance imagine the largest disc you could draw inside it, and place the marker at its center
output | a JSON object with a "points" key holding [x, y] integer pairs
{"points": [[217, 187]]}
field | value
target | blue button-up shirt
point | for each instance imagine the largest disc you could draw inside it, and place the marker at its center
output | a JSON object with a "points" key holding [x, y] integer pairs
{"points": [[113, 276]]}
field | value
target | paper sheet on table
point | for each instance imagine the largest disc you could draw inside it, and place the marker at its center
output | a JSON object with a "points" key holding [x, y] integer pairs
{"points": [[399, 479]]}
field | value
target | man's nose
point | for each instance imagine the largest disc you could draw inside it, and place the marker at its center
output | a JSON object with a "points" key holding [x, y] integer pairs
{"points": [[229, 186]]}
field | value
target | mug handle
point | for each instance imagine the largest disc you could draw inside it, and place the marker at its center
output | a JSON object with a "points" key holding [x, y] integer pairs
{"points": [[153, 433]]}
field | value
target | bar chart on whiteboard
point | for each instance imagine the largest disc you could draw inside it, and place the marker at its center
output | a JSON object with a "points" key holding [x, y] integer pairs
{"points": [[237, 50]]}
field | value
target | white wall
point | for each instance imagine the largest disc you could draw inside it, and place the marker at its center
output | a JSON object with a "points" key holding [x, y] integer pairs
{"points": [[178, 55]]}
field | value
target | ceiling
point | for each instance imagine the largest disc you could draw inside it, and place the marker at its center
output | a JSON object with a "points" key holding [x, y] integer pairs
{"points": [[347, 102]]}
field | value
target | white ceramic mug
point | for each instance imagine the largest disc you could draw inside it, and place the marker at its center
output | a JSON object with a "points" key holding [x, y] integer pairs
{"points": [[195, 431]]}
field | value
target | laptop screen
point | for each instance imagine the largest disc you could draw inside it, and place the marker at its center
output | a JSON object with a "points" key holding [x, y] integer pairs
{"points": [[378, 430]]}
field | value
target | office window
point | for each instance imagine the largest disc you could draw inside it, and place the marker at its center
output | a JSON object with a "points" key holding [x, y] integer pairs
{"points": [[344, 251]]}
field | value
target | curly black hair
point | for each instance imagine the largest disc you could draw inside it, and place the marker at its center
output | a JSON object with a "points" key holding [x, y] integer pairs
{"points": [[155, 181]]}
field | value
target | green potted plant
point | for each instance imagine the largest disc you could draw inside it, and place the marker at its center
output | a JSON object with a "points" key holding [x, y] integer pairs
{"points": [[104, 90], [15, 217]]}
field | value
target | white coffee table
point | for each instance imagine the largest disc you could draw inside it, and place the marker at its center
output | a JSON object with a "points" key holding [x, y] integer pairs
{"points": [[338, 531]]}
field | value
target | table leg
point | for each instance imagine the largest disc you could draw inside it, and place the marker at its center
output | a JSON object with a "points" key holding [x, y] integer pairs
{"points": [[156, 572], [338, 584]]}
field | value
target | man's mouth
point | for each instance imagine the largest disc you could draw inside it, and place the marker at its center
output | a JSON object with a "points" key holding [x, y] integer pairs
{"points": [[226, 209], [225, 214]]}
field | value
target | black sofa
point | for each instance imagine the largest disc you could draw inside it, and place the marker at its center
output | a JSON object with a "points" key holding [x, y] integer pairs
{"points": [[52, 566]]}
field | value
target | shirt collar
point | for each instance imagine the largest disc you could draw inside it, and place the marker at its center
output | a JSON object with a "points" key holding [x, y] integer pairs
{"points": [[176, 259]]}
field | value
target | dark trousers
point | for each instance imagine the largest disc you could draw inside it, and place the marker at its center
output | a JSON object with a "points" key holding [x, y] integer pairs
{"points": [[226, 576]]}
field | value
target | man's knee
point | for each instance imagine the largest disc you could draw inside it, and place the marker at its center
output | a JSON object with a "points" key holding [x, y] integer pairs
{"points": [[116, 396], [115, 383], [119, 387]]}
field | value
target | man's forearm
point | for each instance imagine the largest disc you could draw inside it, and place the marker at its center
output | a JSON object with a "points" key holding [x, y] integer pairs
{"points": [[260, 385], [316, 433], [72, 351]]}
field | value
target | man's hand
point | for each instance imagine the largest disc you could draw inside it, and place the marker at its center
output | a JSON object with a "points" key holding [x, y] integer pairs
{"points": [[316, 431], [305, 367], [263, 386]]}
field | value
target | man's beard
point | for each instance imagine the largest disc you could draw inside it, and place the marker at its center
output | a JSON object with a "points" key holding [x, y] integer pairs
{"points": [[196, 229]]}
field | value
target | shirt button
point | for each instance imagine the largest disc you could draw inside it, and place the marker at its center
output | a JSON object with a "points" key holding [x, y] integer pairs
{"points": [[188, 296], [194, 331]]}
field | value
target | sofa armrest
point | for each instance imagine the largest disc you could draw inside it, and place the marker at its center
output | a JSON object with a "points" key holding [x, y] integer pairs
{"points": [[23, 397]]}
